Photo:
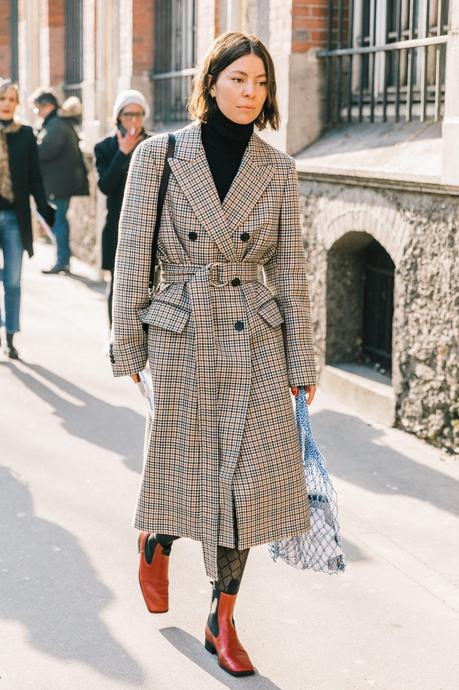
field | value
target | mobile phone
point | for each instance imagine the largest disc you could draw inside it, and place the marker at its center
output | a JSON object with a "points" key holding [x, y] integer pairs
{"points": [[122, 129]]}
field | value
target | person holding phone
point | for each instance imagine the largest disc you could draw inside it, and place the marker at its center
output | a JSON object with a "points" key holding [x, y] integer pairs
{"points": [[113, 156]]}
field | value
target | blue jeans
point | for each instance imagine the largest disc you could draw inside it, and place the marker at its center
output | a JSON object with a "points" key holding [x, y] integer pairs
{"points": [[61, 231], [10, 274]]}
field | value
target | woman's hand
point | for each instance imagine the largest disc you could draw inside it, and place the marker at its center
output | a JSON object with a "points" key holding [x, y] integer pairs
{"points": [[135, 378], [311, 391], [130, 140]]}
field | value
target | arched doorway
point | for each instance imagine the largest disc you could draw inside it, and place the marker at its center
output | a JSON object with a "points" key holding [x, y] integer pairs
{"points": [[378, 308], [360, 288]]}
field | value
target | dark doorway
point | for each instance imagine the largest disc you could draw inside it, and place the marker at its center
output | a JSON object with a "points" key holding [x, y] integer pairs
{"points": [[360, 303], [378, 306]]}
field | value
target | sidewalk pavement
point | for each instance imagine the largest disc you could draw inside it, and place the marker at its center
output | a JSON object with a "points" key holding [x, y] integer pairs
{"points": [[71, 614]]}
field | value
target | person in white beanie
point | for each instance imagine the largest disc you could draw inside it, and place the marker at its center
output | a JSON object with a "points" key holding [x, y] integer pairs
{"points": [[113, 156]]}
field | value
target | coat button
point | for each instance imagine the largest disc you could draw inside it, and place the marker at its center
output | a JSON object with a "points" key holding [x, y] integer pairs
{"points": [[244, 236], [239, 326], [193, 236], [235, 282]]}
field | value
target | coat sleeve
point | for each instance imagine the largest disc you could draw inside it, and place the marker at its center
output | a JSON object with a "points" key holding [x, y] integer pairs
{"points": [[110, 168], [36, 183], [286, 277], [128, 350]]}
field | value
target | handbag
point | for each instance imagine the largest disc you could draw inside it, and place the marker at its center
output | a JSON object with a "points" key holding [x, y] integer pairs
{"points": [[320, 548]]}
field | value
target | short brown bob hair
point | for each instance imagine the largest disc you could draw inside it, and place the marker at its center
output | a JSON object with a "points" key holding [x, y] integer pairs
{"points": [[226, 49]]}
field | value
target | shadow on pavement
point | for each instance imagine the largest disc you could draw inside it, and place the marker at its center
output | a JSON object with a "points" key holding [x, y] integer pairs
{"points": [[117, 429], [355, 453], [97, 285], [353, 552], [194, 650], [48, 585]]}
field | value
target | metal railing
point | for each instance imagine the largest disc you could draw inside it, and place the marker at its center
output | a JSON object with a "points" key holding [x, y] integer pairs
{"points": [[385, 59], [174, 60]]}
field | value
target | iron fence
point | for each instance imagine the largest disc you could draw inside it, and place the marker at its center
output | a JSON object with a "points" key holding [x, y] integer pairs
{"points": [[385, 59]]}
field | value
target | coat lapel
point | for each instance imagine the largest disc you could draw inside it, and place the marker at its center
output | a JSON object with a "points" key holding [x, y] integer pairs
{"points": [[191, 171], [253, 176]]}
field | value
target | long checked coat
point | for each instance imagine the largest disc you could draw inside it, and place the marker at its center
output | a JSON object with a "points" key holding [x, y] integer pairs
{"points": [[229, 330]]}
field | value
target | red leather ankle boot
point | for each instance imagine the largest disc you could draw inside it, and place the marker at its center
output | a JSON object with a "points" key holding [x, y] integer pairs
{"points": [[221, 637], [154, 577]]}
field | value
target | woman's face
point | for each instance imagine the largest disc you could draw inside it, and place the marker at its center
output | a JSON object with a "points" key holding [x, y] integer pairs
{"points": [[132, 117], [8, 103], [241, 89]]}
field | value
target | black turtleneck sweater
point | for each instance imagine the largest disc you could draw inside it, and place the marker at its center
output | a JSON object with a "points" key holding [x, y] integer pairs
{"points": [[224, 142]]}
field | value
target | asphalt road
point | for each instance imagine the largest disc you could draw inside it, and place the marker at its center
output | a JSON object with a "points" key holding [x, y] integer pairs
{"points": [[71, 615]]}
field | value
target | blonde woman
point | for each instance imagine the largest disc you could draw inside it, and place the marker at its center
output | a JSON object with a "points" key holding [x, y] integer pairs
{"points": [[229, 333], [20, 178]]}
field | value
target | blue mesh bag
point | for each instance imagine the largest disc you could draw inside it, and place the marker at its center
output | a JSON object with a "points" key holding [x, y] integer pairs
{"points": [[321, 548]]}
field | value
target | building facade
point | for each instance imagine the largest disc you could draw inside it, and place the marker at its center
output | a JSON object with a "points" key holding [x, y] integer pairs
{"points": [[369, 98]]}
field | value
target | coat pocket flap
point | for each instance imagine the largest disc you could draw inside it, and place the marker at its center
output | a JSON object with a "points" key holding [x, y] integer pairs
{"points": [[270, 312], [171, 317]]}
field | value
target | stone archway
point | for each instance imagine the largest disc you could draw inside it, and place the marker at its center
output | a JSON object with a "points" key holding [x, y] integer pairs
{"points": [[345, 226], [364, 211]]}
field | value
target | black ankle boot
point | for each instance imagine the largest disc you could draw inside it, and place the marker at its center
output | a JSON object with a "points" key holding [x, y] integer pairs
{"points": [[12, 352]]}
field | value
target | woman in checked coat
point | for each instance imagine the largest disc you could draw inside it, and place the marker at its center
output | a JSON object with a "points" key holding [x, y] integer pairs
{"points": [[229, 333]]}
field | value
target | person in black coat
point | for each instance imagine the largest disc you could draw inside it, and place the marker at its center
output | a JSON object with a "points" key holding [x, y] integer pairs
{"points": [[113, 156], [63, 169], [20, 178]]}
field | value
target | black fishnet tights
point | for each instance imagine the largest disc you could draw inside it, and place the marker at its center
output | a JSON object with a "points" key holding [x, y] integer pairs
{"points": [[230, 562]]}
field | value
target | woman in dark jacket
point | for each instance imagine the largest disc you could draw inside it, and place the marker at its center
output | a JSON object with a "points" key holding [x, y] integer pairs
{"points": [[20, 177], [113, 156]]}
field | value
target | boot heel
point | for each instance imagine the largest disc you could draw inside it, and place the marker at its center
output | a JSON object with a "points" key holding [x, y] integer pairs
{"points": [[209, 646]]}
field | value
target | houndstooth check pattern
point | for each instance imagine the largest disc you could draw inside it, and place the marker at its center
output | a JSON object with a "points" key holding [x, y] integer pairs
{"points": [[223, 441]]}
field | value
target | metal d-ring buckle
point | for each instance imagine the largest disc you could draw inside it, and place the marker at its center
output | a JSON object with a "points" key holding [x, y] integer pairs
{"points": [[209, 267]]}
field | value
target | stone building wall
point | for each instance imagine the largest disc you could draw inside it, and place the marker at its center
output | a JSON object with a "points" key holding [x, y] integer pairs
{"points": [[419, 231], [84, 238]]}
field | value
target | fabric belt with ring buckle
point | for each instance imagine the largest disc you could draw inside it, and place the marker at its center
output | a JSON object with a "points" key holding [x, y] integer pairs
{"points": [[219, 274]]}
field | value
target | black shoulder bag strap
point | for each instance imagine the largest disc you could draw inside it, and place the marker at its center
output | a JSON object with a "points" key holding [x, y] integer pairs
{"points": [[161, 197]]}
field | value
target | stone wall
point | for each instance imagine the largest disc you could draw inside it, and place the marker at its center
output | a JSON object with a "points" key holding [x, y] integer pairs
{"points": [[419, 231], [84, 233]]}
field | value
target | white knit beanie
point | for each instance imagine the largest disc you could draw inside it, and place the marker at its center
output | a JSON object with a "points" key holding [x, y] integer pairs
{"points": [[126, 97]]}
